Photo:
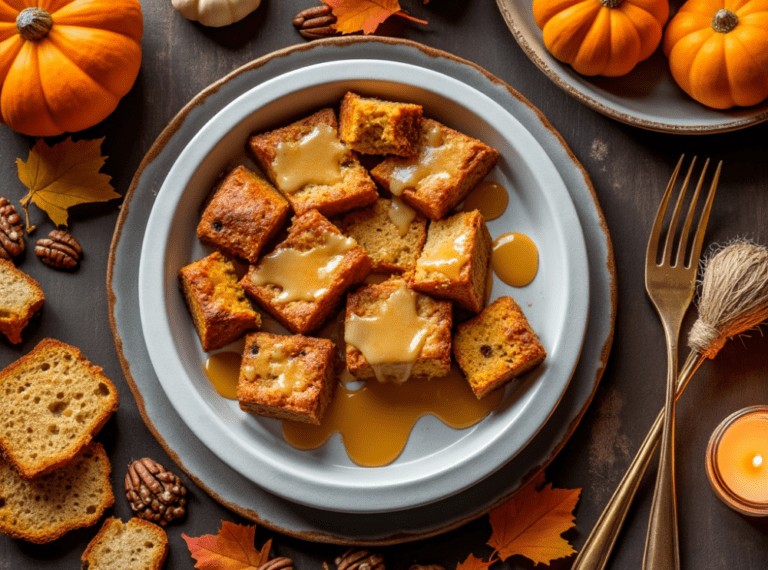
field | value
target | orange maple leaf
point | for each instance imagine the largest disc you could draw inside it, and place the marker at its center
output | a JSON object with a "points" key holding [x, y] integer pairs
{"points": [[365, 15], [473, 563], [531, 522], [232, 549]]}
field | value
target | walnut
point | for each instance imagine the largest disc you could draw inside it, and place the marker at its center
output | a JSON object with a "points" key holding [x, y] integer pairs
{"points": [[11, 231], [155, 493], [59, 250]]}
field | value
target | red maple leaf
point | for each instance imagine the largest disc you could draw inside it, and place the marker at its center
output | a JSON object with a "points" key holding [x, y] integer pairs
{"points": [[231, 549]]}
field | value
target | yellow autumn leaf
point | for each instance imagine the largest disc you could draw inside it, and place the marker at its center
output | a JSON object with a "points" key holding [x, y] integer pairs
{"points": [[64, 175], [531, 522]]}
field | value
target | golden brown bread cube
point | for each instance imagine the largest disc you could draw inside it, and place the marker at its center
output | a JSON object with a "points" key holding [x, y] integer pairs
{"points": [[287, 377], [303, 281], [455, 260], [449, 164], [310, 165], [372, 126], [243, 214], [220, 311], [369, 302], [20, 298], [389, 250], [496, 346]]}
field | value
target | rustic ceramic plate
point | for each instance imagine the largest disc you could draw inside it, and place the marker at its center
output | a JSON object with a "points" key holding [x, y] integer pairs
{"points": [[234, 490], [438, 461], [647, 97]]}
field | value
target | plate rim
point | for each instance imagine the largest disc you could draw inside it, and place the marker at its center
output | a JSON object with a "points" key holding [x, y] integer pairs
{"points": [[336, 488], [304, 526], [508, 12]]}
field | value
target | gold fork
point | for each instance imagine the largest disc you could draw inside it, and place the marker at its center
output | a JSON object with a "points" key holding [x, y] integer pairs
{"points": [[670, 284], [598, 546]]}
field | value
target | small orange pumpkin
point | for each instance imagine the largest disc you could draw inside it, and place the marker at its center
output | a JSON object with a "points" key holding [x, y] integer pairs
{"points": [[718, 51], [65, 64], [601, 37]]}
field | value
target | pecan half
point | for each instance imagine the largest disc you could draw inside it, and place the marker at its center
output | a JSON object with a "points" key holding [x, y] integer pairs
{"points": [[59, 250], [317, 22], [11, 231]]}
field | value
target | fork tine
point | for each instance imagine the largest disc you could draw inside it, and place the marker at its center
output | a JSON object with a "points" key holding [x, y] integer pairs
{"points": [[668, 244], [680, 258], [653, 240], [699, 237]]}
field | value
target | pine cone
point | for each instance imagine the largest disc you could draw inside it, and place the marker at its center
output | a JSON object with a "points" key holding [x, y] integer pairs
{"points": [[155, 494], [59, 250], [279, 563], [11, 231], [359, 560], [317, 22]]}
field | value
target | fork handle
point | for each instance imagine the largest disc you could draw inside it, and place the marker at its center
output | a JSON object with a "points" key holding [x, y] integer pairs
{"points": [[599, 544], [661, 545]]}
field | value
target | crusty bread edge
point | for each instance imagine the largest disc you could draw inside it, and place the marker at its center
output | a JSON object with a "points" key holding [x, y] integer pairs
{"points": [[137, 521]]}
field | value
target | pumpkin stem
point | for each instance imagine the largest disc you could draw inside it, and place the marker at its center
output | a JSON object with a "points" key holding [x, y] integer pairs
{"points": [[611, 3], [724, 21], [33, 23]]}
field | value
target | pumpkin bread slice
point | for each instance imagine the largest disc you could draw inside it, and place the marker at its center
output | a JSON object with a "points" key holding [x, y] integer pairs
{"points": [[52, 402], [48, 507]]}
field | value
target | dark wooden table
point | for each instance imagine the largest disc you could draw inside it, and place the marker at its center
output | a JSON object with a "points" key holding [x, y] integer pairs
{"points": [[628, 167]]}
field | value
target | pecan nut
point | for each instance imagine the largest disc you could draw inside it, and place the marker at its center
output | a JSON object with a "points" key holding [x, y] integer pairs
{"points": [[279, 563], [11, 231], [317, 22], [59, 250], [155, 494], [359, 560]]}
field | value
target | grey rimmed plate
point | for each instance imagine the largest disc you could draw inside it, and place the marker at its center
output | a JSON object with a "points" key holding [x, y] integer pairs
{"points": [[232, 488]]}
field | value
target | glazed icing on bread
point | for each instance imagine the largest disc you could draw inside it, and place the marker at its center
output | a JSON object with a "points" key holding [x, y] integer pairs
{"points": [[448, 257], [436, 160], [401, 214], [315, 159], [288, 372], [391, 339], [303, 275]]}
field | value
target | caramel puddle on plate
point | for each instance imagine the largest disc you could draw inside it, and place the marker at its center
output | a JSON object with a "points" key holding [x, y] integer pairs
{"points": [[491, 198], [222, 369], [376, 419], [515, 259]]}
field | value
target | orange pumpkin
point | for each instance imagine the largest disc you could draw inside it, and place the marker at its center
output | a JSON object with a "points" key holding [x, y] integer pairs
{"points": [[65, 64], [601, 37], [718, 51]]}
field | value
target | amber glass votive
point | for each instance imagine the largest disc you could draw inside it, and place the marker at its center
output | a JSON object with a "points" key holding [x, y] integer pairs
{"points": [[737, 461]]}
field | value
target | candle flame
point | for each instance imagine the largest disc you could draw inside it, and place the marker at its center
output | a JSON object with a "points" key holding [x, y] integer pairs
{"points": [[757, 460]]}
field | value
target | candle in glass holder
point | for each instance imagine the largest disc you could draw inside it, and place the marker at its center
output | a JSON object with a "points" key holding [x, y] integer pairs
{"points": [[737, 461]]}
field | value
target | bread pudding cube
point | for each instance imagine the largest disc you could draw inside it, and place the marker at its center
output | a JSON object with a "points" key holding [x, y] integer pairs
{"points": [[287, 377], [393, 333], [220, 311], [372, 126], [496, 346], [454, 262], [379, 229], [243, 214], [448, 165], [310, 165], [303, 281]]}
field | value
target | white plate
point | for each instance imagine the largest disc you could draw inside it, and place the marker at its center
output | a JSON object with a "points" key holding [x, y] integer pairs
{"points": [[647, 97], [437, 461]]}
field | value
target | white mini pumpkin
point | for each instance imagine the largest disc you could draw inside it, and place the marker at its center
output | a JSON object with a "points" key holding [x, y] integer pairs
{"points": [[215, 13]]}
